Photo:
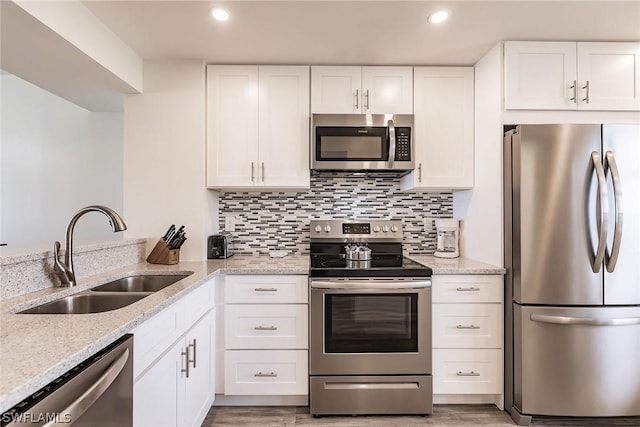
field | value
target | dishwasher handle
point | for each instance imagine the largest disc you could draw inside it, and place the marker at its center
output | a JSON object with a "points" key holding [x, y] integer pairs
{"points": [[93, 393]]}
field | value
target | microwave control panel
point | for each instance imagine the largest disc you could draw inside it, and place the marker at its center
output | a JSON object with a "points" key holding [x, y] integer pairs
{"points": [[403, 144]]}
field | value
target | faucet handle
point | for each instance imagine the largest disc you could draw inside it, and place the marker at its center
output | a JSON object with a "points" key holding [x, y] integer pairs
{"points": [[62, 271]]}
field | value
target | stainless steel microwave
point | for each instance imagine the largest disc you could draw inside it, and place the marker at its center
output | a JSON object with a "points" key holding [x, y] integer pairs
{"points": [[358, 142]]}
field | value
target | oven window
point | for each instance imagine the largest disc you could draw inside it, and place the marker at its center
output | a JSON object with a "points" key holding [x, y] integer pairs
{"points": [[335, 144], [371, 323]]}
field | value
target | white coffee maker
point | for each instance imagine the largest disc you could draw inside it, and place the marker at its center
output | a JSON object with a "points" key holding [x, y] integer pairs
{"points": [[447, 231]]}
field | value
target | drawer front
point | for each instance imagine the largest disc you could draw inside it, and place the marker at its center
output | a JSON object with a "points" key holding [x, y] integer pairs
{"points": [[266, 372], [467, 325], [467, 288], [273, 326], [467, 371], [198, 302], [154, 336], [266, 289]]}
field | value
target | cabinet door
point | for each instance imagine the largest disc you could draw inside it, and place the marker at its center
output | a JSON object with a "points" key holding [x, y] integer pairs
{"points": [[283, 122], [540, 75], [199, 386], [232, 126], [158, 395], [336, 90], [609, 76], [387, 90], [443, 138]]}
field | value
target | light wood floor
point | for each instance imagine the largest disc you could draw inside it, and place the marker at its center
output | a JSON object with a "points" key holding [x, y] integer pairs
{"points": [[444, 415]]}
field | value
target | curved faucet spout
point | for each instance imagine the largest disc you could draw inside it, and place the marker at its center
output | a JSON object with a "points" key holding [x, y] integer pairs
{"points": [[66, 272]]}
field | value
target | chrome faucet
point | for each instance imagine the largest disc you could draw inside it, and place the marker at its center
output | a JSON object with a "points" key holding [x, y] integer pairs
{"points": [[65, 272]]}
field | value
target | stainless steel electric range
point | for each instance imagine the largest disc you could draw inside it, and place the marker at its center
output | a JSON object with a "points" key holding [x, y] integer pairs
{"points": [[370, 321]]}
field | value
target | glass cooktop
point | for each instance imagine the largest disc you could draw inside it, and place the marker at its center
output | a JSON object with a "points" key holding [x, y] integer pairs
{"points": [[324, 265]]}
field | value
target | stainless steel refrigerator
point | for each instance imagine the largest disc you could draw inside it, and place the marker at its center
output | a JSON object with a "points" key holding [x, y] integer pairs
{"points": [[572, 253]]}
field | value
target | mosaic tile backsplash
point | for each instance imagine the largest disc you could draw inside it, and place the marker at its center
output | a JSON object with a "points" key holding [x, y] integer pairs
{"points": [[266, 222]]}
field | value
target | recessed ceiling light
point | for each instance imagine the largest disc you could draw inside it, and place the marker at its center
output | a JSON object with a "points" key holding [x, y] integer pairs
{"points": [[438, 17], [220, 14]]}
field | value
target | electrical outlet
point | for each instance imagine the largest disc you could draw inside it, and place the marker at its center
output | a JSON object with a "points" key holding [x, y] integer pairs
{"points": [[230, 223], [428, 224]]}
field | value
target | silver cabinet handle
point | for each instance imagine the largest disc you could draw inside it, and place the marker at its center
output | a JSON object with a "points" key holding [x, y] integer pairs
{"points": [[588, 321], [468, 374], [574, 86], [419, 172], [93, 393], [586, 87], [472, 289], [195, 350], [357, 96], [467, 327], [392, 142], [252, 172], [366, 97], [185, 353], [267, 375], [612, 258], [265, 328], [262, 171], [265, 290], [603, 220]]}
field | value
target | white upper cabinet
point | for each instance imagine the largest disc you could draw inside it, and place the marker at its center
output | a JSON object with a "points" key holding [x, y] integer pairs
{"points": [[572, 76], [257, 127], [443, 149], [357, 90]]}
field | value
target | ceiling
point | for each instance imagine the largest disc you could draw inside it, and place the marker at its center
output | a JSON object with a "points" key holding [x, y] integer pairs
{"points": [[356, 32]]}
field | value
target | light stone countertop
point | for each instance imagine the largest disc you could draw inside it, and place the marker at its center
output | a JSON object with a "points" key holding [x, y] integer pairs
{"points": [[37, 348]]}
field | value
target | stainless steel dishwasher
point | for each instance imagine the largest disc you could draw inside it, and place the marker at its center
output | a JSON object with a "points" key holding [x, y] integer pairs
{"points": [[97, 393]]}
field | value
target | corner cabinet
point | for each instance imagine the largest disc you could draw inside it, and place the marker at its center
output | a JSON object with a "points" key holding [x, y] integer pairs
{"points": [[443, 109], [595, 76], [360, 90], [257, 127], [174, 363]]}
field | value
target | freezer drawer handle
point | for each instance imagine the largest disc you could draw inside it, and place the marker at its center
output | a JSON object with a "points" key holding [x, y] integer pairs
{"points": [[467, 374], [566, 320], [467, 327], [269, 375], [472, 289], [612, 258], [603, 217], [93, 393]]}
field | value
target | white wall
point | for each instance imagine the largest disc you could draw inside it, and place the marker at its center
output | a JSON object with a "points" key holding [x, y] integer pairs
{"points": [[164, 160], [55, 158], [481, 208]]}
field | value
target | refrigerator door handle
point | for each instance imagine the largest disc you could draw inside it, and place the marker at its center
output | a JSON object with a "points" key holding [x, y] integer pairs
{"points": [[588, 321], [603, 217], [612, 258]]}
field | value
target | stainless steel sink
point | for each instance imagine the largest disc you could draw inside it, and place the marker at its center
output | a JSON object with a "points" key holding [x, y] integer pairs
{"points": [[86, 303], [144, 283]]}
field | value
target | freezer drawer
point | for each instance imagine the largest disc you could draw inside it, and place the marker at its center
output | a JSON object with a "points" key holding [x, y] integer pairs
{"points": [[577, 361]]}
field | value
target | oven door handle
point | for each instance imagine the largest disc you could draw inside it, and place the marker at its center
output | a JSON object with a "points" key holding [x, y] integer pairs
{"points": [[369, 285]]}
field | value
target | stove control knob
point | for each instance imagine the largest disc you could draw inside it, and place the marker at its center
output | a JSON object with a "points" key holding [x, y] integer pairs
{"points": [[385, 228], [394, 228], [318, 228], [376, 228], [327, 228]]}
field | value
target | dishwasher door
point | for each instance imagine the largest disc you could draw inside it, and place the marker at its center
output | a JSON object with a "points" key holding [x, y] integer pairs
{"points": [[96, 393]]}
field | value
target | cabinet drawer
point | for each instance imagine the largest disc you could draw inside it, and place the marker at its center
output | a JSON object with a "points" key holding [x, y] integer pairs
{"points": [[155, 335], [467, 371], [198, 302], [266, 372], [467, 325], [463, 288], [266, 289], [273, 326]]}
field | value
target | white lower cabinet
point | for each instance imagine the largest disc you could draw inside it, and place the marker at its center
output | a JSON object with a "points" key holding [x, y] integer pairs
{"points": [[266, 338], [174, 363], [467, 327]]}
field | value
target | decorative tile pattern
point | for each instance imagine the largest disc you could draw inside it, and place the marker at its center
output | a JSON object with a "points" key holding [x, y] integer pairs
{"points": [[280, 220]]}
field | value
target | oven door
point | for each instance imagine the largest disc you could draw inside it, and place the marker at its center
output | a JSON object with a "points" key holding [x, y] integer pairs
{"points": [[371, 326]]}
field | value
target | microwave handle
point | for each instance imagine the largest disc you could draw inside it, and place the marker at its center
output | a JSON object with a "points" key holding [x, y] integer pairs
{"points": [[392, 142]]}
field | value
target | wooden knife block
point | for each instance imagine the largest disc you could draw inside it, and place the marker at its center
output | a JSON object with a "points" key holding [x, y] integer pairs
{"points": [[161, 254]]}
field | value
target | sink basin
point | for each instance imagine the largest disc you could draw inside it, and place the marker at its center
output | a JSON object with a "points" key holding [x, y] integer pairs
{"points": [[86, 303], [144, 283]]}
